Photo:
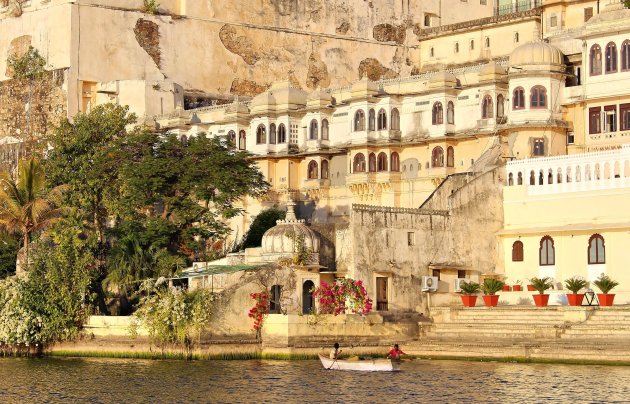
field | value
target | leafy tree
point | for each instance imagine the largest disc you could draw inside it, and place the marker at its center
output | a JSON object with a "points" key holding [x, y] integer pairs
{"points": [[261, 223], [84, 156], [28, 66], [9, 247], [53, 302], [26, 205]]}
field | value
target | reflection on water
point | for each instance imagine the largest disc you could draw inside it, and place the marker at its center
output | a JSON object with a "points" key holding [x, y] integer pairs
{"points": [[121, 380]]}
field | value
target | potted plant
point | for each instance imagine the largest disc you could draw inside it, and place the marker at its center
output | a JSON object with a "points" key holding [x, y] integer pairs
{"points": [[517, 286], [530, 287], [540, 285], [489, 288], [469, 290], [506, 287], [574, 285], [605, 284]]}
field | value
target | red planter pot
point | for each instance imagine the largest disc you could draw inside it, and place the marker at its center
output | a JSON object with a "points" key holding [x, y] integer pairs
{"points": [[541, 300], [605, 300], [575, 299], [517, 288], [506, 288], [469, 301], [491, 300], [530, 288]]}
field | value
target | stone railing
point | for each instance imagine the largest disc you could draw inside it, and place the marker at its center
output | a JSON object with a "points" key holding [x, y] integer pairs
{"points": [[391, 209], [572, 173]]}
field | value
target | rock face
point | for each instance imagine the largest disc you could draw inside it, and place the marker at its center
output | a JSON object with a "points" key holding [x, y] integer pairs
{"points": [[389, 32], [374, 70]]}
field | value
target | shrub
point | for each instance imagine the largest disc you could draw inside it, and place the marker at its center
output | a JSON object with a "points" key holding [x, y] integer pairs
{"points": [[605, 284], [491, 286], [469, 288], [541, 284], [150, 7], [575, 284], [344, 294]]}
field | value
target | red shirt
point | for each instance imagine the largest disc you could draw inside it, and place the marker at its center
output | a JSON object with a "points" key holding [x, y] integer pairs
{"points": [[395, 353]]}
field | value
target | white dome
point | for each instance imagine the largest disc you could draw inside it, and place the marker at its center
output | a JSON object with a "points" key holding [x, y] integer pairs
{"points": [[279, 239], [536, 56]]}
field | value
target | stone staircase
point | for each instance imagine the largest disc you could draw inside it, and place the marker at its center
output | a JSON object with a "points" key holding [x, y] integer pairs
{"points": [[492, 324], [597, 334], [604, 324]]}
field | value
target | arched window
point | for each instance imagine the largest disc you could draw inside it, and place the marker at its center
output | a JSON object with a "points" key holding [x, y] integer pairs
{"points": [[282, 134], [472, 44], [519, 179], [517, 251], [372, 162], [450, 113], [313, 170], [487, 107], [272, 133], [261, 135], [595, 60], [359, 120], [382, 120], [324, 170], [325, 129], [547, 252], [437, 117], [538, 97], [232, 138], [500, 106], [487, 42], [359, 163], [372, 120], [596, 250], [395, 162], [437, 157], [395, 118], [381, 163], [450, 157], [625, 55], [242, 139], [516, 37], [456, 47], [611, 58], [308, 302], [274, 299], [518, 98], [532, 178], [313, 130]]}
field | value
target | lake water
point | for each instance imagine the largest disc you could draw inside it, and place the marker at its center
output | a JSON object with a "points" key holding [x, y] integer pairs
{"points": [[53, 380]]}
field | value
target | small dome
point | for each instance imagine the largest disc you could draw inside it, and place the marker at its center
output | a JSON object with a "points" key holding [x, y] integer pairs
{"points": [[492, 71], [286, 96], [279, 239], [443, 79], [536, 56], [262, 102]]}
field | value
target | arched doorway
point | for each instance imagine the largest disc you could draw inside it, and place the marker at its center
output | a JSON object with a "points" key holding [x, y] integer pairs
{"points": [[307, 297]]}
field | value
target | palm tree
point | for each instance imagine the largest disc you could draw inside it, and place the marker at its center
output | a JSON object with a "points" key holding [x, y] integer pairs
{"points": [[26, 206]]}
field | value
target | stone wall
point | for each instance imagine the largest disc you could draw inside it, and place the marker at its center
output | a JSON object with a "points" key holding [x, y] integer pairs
{"points": [[455, 228]]}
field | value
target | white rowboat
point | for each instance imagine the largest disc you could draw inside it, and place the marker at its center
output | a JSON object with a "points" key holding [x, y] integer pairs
{"points": [[370, 365]]}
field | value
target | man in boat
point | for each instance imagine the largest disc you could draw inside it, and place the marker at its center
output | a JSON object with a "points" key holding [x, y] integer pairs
{"points": [[395, 352], [335, 352]]}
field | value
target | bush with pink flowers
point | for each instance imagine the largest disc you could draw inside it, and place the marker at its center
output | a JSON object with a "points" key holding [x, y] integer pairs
{"points": [[342, 295]]}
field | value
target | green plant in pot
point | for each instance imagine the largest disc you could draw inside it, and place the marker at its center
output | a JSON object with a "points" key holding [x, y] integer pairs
{"points": [[541, 285], [605, 284], [517, 287], [469, 291], [574, 285], [489, 288]]}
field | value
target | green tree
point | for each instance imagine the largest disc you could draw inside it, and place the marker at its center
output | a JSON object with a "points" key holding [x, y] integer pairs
{"points": [[9, 247], [84, 156], [53, 302], [26, 205], [261, 223]]}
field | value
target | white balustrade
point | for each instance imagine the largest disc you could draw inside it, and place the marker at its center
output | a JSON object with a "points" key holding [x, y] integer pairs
{"points": [[608, 169]]}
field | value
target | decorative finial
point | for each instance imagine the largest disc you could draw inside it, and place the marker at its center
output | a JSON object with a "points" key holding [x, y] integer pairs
{"points": [[290, 217]]}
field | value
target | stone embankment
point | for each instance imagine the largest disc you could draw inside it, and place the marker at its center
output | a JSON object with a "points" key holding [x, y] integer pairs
{"points": [[513, 333]]}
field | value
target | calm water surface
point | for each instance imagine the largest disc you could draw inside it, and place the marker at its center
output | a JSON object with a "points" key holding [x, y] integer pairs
{"points": [[54, 380]]}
